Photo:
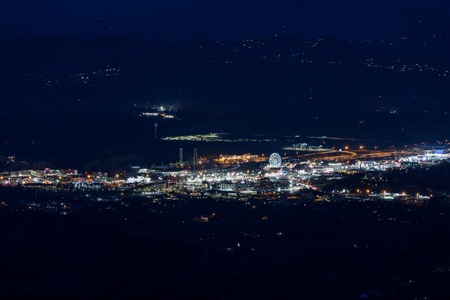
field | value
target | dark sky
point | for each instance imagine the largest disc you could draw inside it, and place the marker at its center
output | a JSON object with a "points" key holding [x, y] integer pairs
{"points": [[178, 19]]}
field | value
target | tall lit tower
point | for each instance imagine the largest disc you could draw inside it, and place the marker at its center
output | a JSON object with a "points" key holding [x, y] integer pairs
{"points": [[195, 158], [181, 155], [156, 126]]}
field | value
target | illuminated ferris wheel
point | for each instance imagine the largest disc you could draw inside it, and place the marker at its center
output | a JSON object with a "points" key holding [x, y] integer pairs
{"points": [[275, 160]]}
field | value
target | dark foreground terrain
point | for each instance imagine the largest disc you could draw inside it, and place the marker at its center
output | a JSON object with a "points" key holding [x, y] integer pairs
{"points": [[53, 246]]}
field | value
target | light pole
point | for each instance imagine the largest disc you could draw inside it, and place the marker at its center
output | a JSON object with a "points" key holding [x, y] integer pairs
{"points": [[195, 158], [156, 126]]}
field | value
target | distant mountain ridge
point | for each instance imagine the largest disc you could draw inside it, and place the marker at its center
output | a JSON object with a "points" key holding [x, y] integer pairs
{"points": [[215, 75]]}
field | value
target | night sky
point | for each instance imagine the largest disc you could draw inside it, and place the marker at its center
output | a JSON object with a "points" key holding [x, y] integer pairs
{"points": [[180, 19]]}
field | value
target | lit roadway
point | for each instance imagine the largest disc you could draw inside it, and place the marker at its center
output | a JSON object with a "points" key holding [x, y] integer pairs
{"points": [[346, 154]]}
